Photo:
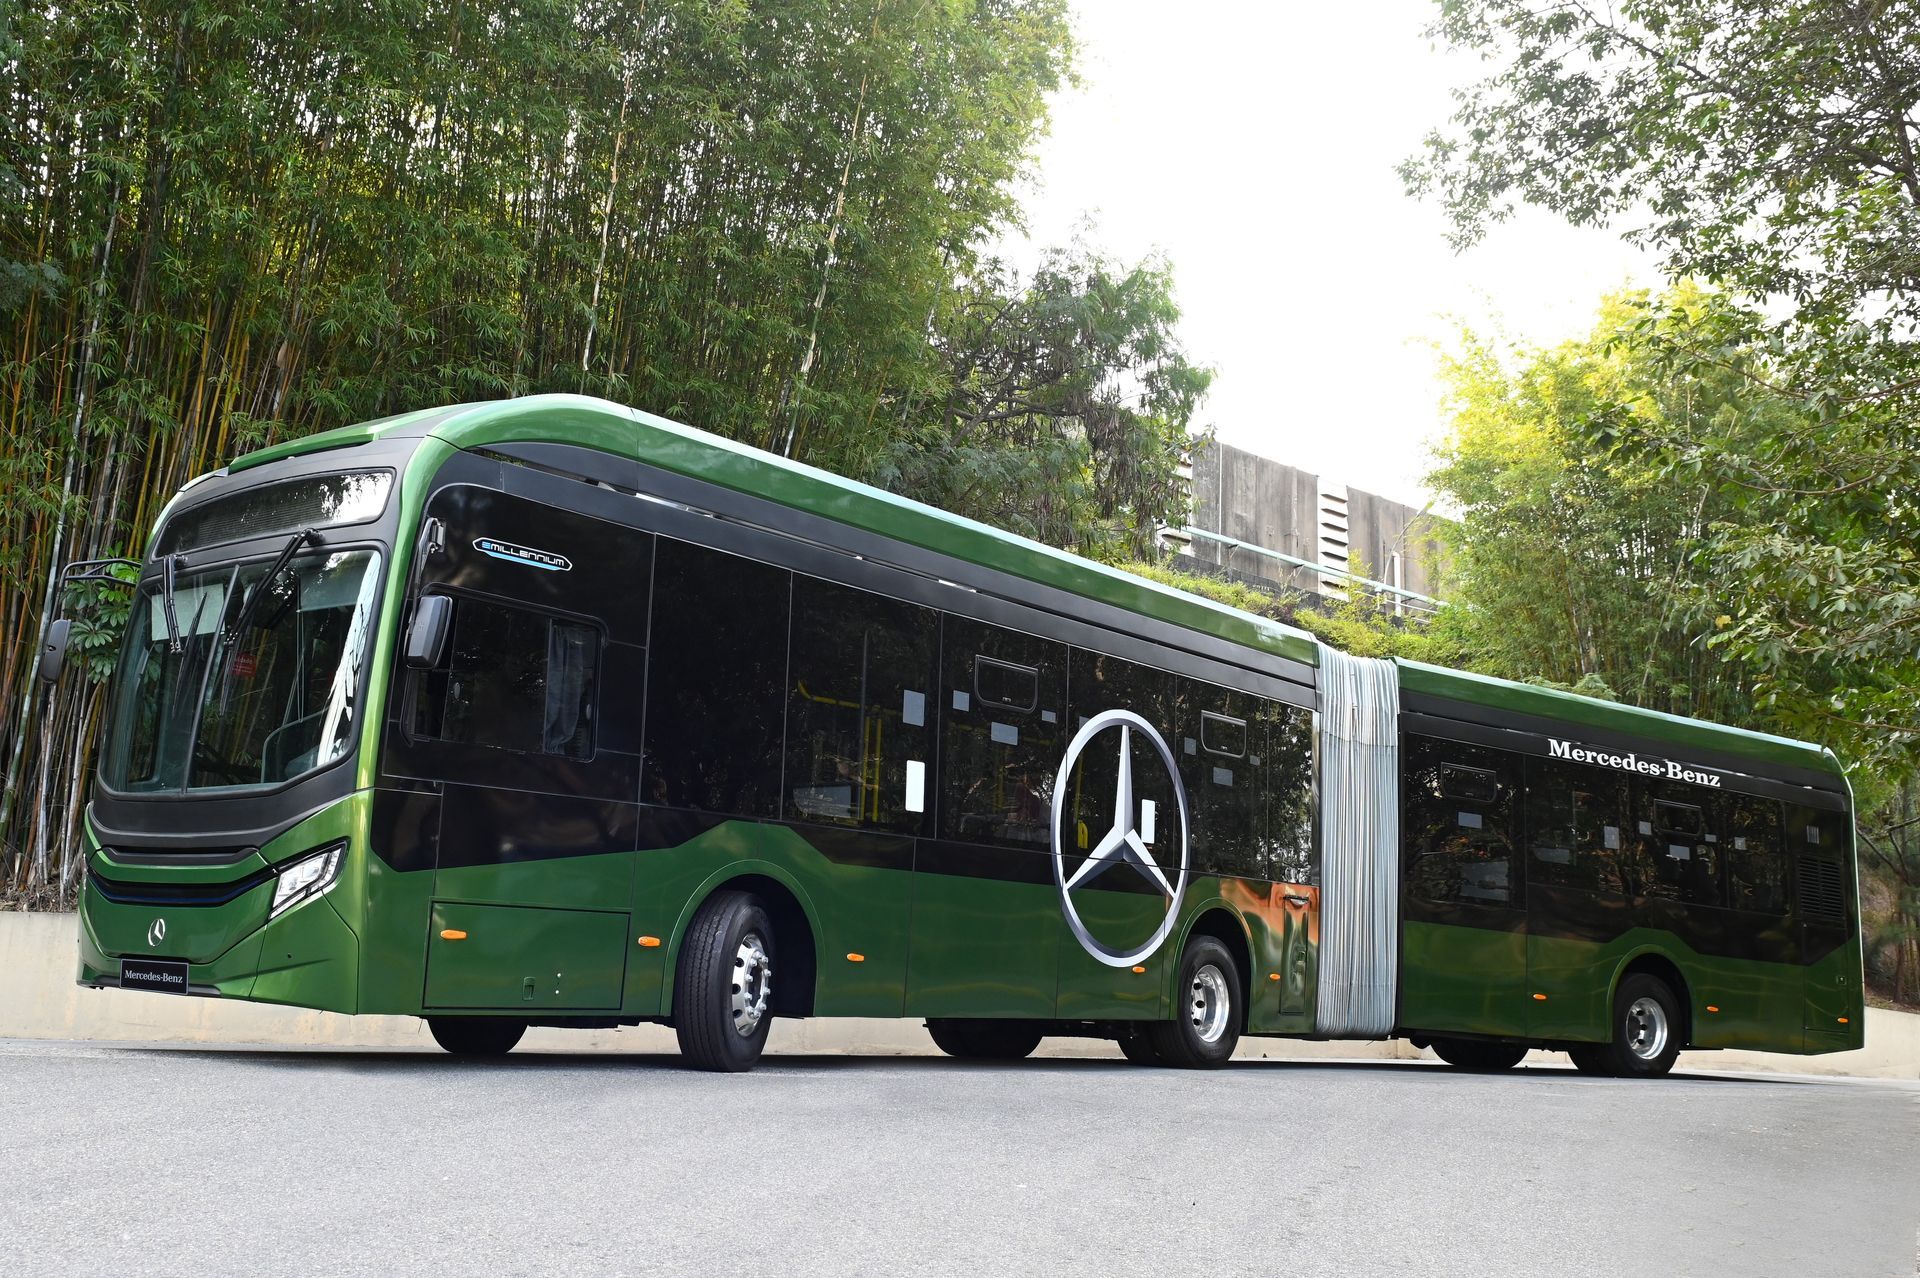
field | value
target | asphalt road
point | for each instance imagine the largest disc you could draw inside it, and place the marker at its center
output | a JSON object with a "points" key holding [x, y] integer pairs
{"points": [[171, 1161]]}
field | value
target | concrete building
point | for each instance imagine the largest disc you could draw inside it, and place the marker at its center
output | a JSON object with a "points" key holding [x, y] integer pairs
{"points": [[1266, 523]]}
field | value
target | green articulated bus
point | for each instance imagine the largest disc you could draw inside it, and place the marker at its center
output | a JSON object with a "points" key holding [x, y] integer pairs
{"points": [[552, 712]]}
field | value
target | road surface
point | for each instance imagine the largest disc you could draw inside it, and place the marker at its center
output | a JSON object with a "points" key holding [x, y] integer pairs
{"points": [[131, 1160]]}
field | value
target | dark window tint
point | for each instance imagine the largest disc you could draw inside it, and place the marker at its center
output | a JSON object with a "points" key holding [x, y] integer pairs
{"points": [[1223, 736], [1005, 685], [1756, 870], [512, 679], [1459, 823], [1097, 684], [716, 681], [1576, 826], [860, 693], [1224, 793], [997, 764], [1673, 853], [1285, 734]]}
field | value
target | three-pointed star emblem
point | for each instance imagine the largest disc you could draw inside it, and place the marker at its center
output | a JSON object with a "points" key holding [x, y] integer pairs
{"points": [[1123, 841]]}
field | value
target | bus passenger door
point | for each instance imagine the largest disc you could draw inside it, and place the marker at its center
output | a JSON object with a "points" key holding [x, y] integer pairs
{"points": [[985, 909], [1464, 957]]}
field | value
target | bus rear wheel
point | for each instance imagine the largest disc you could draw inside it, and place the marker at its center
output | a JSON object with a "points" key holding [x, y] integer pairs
{"points": [[1477, 1055], [723, 986], [1207, 1015], [476, 1035], [1646, 1028], [983, 1040]]}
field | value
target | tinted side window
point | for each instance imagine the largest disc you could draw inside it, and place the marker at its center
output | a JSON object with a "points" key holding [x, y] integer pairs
{"points": [[1459, 822], [1676, 853], [512, 679], [715, 682], [1756, 870], [997, 760], [1286, 767], [1576, 826], [1223, 789], [859, 701]]}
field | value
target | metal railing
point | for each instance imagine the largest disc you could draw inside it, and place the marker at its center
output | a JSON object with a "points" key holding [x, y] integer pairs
{"points": [[1426, 603]]}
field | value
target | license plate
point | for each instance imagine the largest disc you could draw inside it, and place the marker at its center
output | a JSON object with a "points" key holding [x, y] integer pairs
{"points": [[164, 975]]}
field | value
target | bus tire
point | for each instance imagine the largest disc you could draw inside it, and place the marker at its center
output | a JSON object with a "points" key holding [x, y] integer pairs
{"points": [[1478, 1055], [723, 984], [983, 1040], [1136, 1044], [1646, 1028], [1592, 1058], [476, 1035], [1206, 1025]]}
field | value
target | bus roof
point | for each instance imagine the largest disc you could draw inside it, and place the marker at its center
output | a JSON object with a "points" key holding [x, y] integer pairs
{"points": [[630, 433]]}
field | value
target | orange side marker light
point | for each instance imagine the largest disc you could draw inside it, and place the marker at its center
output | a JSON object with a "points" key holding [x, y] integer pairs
{"points": [[1273, 976], [1712, 1008], [649, 942], [1843, 1020], [452, 934], [1138, 970], [856, 958], [1539, 998]]}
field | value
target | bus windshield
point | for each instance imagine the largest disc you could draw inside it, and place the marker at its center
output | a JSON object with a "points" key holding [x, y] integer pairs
{"points": [[222, 709]]}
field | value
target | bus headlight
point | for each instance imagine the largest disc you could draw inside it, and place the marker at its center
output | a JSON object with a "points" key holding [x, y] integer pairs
{"points": [[307, 877]]}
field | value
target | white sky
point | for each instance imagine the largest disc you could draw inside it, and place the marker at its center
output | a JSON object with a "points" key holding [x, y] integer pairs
{"points": [[1255, 144]]}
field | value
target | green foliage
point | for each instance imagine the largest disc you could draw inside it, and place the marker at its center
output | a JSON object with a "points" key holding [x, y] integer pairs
{"points": [[225, 224], [1062, 405], [1772, 150], [1574, 567]]}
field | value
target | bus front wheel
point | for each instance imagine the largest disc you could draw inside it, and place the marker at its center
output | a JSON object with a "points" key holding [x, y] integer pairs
{"points": [[1646, 1028], [983, 1040], [723, 986], [1206, 1024], [476, 1035]]}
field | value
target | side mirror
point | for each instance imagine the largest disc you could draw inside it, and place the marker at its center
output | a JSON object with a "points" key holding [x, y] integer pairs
{"points": [[53, 653], [427, 636]]}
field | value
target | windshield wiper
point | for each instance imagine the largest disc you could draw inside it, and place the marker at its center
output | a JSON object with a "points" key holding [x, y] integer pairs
{"points": [[251, 604], [167, 567]]}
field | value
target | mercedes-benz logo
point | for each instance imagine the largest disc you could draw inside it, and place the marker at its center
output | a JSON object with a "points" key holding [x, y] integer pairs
{"points": [[156, 932], [1122, 842]]}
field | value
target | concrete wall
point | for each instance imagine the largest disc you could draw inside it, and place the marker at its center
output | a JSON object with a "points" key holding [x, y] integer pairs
{"points": [[1268, 503], [38, 999]]}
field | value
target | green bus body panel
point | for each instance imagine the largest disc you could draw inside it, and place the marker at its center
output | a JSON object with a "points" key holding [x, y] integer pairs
{"points": [[1476, 981], [1466, 979], [525, 959], [308, 957], [1577, 711]]}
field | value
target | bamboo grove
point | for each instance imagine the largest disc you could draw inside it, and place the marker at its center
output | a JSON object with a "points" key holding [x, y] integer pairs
{"points": [[225, 223]]}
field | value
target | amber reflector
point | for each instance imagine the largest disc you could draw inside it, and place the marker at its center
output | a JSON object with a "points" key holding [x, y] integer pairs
{"points": [[1712, 1008], [649, 942], [856, 958], [1539, 998], [452, 934], [1273, 976], [1139, 970]]}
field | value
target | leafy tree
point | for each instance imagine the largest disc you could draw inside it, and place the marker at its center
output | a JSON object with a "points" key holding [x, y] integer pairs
{"points": [[1062, 405], [1769, 148], [1579, 568], [226, 223]]}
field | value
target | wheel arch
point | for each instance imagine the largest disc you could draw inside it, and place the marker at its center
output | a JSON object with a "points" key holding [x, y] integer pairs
{"points": [[1657, 963], [1219, 920], [795, 930]]}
